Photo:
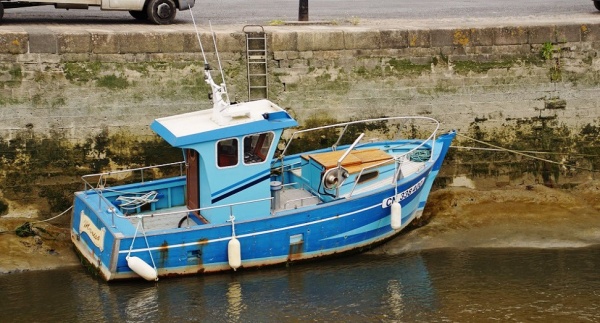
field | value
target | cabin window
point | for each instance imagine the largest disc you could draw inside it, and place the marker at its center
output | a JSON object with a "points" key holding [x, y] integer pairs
{"points": [[227, 152], [256, 147], [367, 176]]}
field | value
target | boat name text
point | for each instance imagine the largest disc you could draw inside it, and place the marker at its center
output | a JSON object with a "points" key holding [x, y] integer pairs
{"points": [[403, 195], [96, 235]]}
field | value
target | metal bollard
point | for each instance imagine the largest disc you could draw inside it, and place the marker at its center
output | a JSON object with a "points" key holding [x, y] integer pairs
{"points": [[303, 11], [276, 187]]}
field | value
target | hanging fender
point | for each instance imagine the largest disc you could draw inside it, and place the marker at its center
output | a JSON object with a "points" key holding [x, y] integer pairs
{"points": [[234, 254], [142, 268], [396, 216]]}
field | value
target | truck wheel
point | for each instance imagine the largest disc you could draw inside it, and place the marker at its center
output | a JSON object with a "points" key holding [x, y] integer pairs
{"points": [[597, 4], [139, 15], [161, 12]]}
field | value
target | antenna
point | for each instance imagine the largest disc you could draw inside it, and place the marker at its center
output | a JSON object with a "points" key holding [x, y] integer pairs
{"points": [[197, 35], [219, 95], [219, 62]]}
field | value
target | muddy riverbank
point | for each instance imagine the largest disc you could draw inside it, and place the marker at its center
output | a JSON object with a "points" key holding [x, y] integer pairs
{"points": [[521, 216]]}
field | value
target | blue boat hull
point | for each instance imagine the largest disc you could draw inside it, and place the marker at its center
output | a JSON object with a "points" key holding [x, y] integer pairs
{"points": [[340, 226], [333, 228]]}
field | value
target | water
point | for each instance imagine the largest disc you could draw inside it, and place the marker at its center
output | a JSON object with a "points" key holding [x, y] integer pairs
{"points": [[452, 285]]}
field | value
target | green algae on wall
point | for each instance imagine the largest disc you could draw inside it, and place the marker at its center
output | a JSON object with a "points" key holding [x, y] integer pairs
{"points": [[465, 80], [538, 147], [44, 170]]}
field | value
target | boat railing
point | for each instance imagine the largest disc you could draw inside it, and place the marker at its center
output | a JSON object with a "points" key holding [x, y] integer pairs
{"points": [[346, 124], [103, 176], [373, 166], [398, 161], [188, 211], [101, 186]]}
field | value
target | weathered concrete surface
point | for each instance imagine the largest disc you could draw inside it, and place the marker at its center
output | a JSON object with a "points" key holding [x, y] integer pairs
{"points": [[82, 79]]}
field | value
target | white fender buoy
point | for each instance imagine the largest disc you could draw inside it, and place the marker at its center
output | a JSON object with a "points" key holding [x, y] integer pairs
{"points": [[142, 268], [234, 254], [396, 216]]}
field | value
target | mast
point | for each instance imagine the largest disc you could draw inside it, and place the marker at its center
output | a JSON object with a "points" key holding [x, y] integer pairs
{"points": [[219, 94]]}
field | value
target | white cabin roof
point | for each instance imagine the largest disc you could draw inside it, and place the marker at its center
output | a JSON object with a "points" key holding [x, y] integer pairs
{"points": [[209, 125]]}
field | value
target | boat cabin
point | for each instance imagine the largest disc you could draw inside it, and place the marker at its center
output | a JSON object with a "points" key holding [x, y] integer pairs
{"points": [[228, 156]]}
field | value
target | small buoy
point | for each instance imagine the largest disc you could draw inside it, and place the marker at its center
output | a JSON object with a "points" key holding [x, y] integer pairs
{"points": [[234, 254], [142, 268], [396, 217]]}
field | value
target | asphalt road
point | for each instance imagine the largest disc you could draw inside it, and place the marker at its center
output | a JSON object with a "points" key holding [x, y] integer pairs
{"points": [[227, 12]]}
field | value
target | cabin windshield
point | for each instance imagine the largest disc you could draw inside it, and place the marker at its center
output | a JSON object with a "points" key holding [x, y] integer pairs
{"points": [[256, 147]]}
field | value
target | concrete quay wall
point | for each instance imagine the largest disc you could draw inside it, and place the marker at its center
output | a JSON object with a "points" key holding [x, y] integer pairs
{"points": [[81, 80], [525, 87]]}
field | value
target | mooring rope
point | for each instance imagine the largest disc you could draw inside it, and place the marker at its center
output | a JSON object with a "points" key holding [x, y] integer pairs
{"points": [[133, 202], [52, 218], [524, 153], [140, 224], [25, 229]]}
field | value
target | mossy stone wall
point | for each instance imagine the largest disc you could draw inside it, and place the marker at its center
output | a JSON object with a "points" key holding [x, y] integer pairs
{"points": [[91, 95]]}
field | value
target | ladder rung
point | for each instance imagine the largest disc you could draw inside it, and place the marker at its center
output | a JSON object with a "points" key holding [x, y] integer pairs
{"points": [[256, 57], [257, 75], [258, 87]]}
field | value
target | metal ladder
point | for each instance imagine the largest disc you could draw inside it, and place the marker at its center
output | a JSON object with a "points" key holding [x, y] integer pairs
{"points": [[256, 58]]}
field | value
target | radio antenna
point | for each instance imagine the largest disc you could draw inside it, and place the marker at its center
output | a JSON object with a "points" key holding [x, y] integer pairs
{"points": [[223, 84], [197, 34], [219, 95]]}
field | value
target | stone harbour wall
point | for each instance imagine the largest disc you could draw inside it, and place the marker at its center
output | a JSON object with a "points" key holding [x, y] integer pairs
{"points": [[73, 100]]}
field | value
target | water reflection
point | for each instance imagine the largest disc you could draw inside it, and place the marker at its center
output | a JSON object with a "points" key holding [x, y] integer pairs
{"points": [[450, 285], [234, 302], [394, 300], [142, 306]]}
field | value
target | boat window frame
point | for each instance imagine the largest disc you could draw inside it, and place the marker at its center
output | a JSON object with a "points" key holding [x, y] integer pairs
{"points": [[266, 156], [367, 176], [237, 152]]}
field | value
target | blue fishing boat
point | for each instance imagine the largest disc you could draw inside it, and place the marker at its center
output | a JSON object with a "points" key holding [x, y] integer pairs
{"points": [[241, 199]]}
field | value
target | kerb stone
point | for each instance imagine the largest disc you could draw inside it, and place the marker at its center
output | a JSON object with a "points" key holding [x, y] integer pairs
{"points": [[510, 36], [13, 43], [320, 40], [362, 39], [74, 42]]}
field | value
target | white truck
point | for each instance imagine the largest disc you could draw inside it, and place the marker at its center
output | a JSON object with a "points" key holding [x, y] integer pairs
{"points": [[161, 12]]}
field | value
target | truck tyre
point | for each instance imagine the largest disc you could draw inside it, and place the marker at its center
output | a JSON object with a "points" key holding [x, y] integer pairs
{"points": [[597, 4], [161, 12], [139, 15], [1, 12]]}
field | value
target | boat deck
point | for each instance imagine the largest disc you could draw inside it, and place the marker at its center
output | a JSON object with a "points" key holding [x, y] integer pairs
{"points": [[293, 198], [166, 219]]}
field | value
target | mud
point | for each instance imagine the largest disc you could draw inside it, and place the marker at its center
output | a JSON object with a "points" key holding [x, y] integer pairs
{"points": [[49, 248], [521, 216]]}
